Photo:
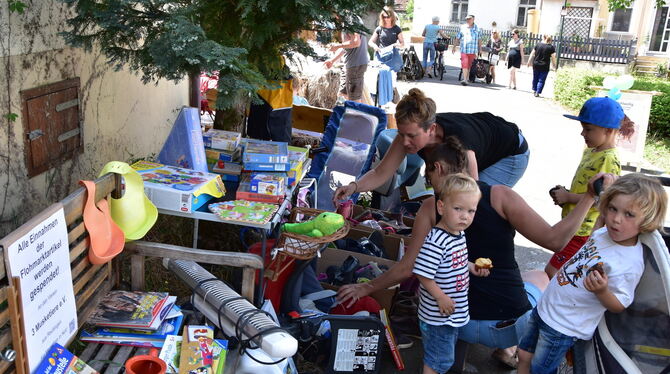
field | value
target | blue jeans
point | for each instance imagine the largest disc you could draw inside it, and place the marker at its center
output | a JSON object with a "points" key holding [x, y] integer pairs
{"points": [[508, 170], [428, 50], [539, 78], [439, 343], [485, 331], [548, 345]]}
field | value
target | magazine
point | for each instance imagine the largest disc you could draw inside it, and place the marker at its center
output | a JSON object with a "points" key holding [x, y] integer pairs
{"points": [[137, 310], [60, 360]]}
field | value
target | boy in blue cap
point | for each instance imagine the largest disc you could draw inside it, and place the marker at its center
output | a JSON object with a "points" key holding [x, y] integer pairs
{"points": [[602, 120]]}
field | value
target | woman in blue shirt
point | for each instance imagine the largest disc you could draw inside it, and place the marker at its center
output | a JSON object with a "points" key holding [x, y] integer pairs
{"points": [[430, 33]]}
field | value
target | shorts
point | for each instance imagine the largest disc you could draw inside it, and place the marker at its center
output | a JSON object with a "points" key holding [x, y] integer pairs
{"points": [[548, 345], [561, 257], [487, 333], [351, 82], [467, 59], [439, 343]]}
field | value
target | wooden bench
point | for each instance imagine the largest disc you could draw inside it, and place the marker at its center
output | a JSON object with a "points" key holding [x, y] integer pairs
{"points": [[92, 282]]}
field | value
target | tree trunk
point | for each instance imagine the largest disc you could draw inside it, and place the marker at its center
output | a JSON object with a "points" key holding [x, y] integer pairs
{"points": [[194, 89]]}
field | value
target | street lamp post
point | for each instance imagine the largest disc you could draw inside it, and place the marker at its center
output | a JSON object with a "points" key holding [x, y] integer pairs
{"points": [[564, 12]]}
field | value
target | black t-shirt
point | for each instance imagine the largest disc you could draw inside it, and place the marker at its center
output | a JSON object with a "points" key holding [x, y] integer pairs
{"points": [[490, 137], [386, 37], [543, 52], [501, 295]]}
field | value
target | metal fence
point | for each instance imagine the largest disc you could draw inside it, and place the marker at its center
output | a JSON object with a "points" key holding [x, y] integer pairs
{"points": [[571, 47]]}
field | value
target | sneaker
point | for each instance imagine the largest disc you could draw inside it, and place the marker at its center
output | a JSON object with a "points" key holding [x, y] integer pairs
{"points": [[403, 341], [429, 75], [536, 94], [464, 83]]}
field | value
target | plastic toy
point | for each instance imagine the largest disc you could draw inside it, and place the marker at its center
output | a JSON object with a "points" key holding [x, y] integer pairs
{"points": [[326, 223]]}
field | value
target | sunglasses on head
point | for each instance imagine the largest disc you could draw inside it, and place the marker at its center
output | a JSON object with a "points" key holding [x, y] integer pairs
{"points": [[386, 16]]}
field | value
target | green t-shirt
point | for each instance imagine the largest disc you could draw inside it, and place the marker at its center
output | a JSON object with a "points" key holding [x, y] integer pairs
{"points": [[592, 163]]}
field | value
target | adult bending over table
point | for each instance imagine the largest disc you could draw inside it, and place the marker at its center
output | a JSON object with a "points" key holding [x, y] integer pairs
{"points": [[502, 298], [497, 152]]}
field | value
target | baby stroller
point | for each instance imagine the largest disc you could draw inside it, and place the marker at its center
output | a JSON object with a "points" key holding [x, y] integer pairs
{"points": [[480, 68], [412, 70]]}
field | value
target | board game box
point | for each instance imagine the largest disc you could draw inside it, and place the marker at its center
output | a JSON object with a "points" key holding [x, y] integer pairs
{"points": [[173, 188], [244, 211], [221, 139], [265, 152]]}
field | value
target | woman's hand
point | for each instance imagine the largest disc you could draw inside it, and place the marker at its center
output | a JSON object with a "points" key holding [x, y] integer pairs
{"points": [[351, 293], [343, 192], [446, 305], [608, 179]]}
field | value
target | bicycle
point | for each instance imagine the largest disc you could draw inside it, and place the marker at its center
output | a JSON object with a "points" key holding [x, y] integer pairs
{"points": [[438, 66]]}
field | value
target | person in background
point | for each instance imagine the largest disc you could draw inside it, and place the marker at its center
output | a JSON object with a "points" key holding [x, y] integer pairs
{"points": [[430, 32], [541, 59], [495, 46], [602, 120], [470, 41], [601, 276], [514, 57], [355, 52], [442, 267], [388, 34]]}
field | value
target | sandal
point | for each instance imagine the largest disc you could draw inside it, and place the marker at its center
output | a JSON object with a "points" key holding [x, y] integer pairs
{"points": [[510, 361]]}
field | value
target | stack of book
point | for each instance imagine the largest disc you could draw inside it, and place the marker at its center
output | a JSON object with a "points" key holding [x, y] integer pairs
{"points": [[195, 352], [224, 153], [143, 319]]}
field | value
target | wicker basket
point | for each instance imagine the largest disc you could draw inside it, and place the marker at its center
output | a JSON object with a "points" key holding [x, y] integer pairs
{"points": [[300, 247]]}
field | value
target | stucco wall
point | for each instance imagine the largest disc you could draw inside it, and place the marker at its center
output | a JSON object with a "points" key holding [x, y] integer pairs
{"points": [[122, 118]]}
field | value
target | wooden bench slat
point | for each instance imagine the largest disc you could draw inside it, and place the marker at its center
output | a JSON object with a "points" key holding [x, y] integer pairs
{"points": [[236, 259], [79, 248], [4, 317], [86, 277], [84, 296], [120, 358], [76, 232], [78, 268], [83, 312], [5, 367], [3, 275], [89, 351], [104, 354]]}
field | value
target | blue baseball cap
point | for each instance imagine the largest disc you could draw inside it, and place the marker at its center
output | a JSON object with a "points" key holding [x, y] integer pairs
{"points": [[600, 111]]}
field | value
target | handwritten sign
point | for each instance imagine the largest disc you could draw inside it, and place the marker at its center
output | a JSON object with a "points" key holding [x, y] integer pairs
{"points": [[38, 254]]}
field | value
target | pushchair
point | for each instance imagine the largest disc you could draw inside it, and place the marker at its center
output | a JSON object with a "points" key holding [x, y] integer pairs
{"points": [[412, 70], [480, 68]]}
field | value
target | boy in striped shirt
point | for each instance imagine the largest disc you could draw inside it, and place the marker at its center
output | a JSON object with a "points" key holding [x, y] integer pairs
{"points": [[442, 268]]}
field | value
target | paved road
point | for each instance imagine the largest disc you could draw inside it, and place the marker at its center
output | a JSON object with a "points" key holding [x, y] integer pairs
{"points": [[555, 146]]}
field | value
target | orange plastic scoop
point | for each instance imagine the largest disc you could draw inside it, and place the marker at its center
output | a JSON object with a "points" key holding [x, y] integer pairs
{"points": [[107, 239]]}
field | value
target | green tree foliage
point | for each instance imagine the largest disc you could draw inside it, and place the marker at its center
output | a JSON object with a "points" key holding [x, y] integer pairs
{"points": [[621, 4], [245, 40]]}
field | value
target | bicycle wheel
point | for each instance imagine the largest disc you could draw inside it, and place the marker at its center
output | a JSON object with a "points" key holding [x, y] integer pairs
{"points": [[435, 65], [441, 68]]}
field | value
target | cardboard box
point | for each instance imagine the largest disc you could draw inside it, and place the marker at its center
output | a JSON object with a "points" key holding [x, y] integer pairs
{"points": [[265, 152], [229, 171], [261, 166], [358, 210], [215, 155], [243, 192], [335, 257], [297, 157], [220, 139], [173, 188], [184, 147], [269, 184]]}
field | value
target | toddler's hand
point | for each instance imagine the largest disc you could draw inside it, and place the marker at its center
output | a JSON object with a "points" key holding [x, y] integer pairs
{"points": [[595, 282], [446, 304], [478, 272]]}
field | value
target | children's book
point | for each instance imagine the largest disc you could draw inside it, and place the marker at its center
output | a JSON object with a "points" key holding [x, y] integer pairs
{"points": [[133, 337], [244, 211], [219, 352], [260, 151], [61, 361], [170, 353], [196, 355], [136, 310]]}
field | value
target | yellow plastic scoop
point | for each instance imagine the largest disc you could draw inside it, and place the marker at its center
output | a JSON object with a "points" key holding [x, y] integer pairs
{"points": [[106, 237]]}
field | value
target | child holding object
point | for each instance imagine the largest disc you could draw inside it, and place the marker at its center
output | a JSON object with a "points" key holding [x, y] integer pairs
{"points": [[442, 268], [601, 276], [602, 120]]}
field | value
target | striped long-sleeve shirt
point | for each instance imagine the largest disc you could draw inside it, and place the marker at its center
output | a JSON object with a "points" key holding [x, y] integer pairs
{"points": [[444, 258]]}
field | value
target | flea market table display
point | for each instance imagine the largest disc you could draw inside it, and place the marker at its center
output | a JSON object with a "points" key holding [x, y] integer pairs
{"points": [[264, 174]]}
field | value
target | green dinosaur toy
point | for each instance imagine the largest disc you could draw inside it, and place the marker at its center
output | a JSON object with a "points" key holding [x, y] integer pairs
{"points": [[326, 223]]}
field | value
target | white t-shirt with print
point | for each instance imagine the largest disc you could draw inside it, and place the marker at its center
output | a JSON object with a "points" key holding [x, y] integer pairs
{"points": [[567, 307]]}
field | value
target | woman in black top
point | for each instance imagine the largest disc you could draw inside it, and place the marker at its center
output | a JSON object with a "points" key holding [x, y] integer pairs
{"points": [[541, 59], [497, 151], [499, 304], [495, 46], [388, 34]]}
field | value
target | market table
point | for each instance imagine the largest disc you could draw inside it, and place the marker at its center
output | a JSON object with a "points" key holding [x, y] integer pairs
{"points": [[206, 215]]}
